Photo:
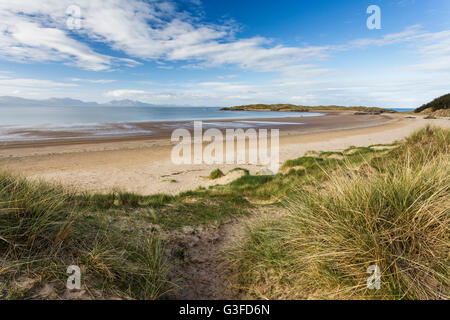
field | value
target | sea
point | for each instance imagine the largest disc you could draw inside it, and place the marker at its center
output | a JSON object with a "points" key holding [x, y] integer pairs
{"points": [[402, 109], [14, 121], [17, 123]]}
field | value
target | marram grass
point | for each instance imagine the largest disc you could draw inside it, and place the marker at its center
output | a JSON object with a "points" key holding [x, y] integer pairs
{"points": [[395, 215], [44, 228]]}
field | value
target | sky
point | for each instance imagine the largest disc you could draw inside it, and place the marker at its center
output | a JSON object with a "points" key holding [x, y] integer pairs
{"points": [[225, 53]]}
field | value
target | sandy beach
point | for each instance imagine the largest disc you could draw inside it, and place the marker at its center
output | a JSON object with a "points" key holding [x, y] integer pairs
{"points": [[142, 163]]}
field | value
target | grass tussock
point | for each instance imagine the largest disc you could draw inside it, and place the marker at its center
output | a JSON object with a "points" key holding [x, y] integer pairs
{"points": [[115, 238], [216, 174], [32, 214], [394, 212], [44, 228]]}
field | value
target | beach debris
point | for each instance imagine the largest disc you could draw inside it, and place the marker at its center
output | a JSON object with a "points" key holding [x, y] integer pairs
{"points": [[75, 295], [48, 292], [25, 284]]}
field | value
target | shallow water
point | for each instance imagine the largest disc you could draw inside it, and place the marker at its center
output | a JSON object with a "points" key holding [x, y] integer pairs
{"points": [[63, 116], [16, 121]]}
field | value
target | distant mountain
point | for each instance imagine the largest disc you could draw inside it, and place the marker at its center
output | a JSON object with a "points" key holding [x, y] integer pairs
{"points": [[127, 103], [15, 101], [68, 102], [8, 101]]}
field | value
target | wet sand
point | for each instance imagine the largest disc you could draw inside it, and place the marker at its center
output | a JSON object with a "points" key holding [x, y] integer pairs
{"points": [[161, 131], [142, 163]]}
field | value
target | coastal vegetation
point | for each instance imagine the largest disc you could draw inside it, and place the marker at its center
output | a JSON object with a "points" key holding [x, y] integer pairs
{"points": [[392, 211], [438, 107], [44, 228], [327, 217], [216, 174]]}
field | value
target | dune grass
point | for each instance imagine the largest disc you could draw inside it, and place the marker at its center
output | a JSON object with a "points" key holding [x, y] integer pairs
{"points": [[113, 237], [190, 208], [393, 212], [300, 171], [44, 228]]}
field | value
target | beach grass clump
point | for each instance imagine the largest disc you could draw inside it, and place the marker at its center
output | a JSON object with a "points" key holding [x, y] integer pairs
{"points": [[422, 146], [395, 217], [125, 264], [45, 228], [216, 174], [32, 214], [425, 144]]}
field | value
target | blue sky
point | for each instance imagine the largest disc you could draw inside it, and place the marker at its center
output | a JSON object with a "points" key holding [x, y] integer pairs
{"points": [[221, 53]]}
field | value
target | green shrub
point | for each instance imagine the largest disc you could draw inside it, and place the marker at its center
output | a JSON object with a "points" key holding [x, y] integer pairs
{"points": [[442, 102]]}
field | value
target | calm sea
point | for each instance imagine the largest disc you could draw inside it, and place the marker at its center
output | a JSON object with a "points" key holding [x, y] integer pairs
{"points": [[61, 116], [15, 120], [402, 110]]}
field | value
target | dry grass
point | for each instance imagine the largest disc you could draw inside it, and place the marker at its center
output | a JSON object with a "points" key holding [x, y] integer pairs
{"points": [[44, 228], [394, 213]]}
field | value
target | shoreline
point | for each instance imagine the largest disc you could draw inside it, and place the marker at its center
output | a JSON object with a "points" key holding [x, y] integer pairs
{"points": [[161, 130], [143, 165], [11, 134]]}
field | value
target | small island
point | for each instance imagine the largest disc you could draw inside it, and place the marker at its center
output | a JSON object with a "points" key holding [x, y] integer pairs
{"points": [[300, 108]]}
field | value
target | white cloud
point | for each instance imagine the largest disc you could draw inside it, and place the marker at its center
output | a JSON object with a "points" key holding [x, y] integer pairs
{"points": [[155, 30], [97, 81], [410, 34], [433, 48], [34, 83], [34, 87], [125, 93], [228, 76], [36, 31], [435, 51], [32, 30]]}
